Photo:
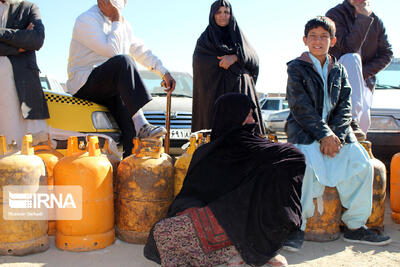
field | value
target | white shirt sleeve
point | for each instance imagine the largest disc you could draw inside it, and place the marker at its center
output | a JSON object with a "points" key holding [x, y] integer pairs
{"points": [[88, 30], [143, 55]]}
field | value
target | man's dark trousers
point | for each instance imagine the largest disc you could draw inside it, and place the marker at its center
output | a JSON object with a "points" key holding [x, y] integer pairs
{"points": [[117, 85]]}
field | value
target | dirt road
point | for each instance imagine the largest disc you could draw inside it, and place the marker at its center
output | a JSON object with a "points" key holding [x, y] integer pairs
{"points": [[336, 253]]}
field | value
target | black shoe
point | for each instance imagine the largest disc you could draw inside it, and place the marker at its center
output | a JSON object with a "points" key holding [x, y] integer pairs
{"points": [[365, 236], [294, 241], [360, 135]]}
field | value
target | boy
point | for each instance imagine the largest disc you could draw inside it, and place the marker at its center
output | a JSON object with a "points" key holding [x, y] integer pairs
{"points": [[319, 93]]}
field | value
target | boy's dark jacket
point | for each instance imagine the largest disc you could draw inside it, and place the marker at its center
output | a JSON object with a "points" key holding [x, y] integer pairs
{"points": [[26, 71], [363, 33], [306, 96]]}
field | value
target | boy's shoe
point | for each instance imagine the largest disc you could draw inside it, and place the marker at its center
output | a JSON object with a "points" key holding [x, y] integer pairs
{"points": [[363, 235], [151, 131], [294, 241], [360, 135]]}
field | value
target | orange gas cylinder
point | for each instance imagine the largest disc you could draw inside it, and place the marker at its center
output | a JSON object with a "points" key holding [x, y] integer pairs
{"points": [[93, 172], [21, 237], [114, 160], [375, 221], [182, 164], [50, 157], [145, 186], [395, 187], [325, 226]]}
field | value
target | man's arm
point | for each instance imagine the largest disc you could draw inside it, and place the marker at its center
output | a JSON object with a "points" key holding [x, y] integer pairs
{"points": [[350, 42], [27, 39], [88, 31], [383, 56], [144, 56], [7, 50]]}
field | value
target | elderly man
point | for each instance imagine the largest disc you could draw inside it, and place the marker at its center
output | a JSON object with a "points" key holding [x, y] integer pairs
{"points": [[23, 108], [101, 68], [363, 48]]}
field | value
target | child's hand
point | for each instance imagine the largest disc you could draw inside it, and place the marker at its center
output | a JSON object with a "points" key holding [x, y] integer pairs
{"points": [[330, 146]]}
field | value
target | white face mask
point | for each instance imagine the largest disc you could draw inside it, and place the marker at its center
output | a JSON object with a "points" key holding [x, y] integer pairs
{"points": [[120, 4]]}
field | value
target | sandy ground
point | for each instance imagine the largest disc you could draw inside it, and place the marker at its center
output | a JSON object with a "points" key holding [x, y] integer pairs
{"points": [[335, 253]]}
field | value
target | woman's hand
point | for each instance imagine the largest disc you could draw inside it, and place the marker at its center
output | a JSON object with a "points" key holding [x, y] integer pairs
{"points": [[227, 61], [330, 146]]}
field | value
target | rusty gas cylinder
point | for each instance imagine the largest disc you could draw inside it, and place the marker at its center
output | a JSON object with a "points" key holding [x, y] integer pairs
{"points": [[93, 172], [21, 237], [145, 188], [182, 164], [50, 157], [325, 226], [375, 221], [395, 187]]}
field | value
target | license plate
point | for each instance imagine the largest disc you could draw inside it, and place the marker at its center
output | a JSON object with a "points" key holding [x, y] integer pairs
{"points": [[179, 134]]}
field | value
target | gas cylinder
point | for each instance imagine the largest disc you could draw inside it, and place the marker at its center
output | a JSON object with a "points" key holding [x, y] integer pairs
{"points": [[325, 226], [375, 221], [395, 187], [114, 160], [21, 237], [93, 172], [145, 186], [182, 164], [50, 157]]}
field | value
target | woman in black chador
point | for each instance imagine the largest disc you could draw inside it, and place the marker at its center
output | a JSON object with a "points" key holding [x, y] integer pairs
{"points": [[223, 62], [240, 199]]}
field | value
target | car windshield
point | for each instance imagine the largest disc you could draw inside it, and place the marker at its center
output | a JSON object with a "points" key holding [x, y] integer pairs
{"points": [[390, 77], [183, 88], [271, 104]]}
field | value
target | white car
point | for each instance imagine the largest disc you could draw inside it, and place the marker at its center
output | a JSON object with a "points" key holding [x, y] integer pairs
{"points": [[181, 106], [270, 105]]}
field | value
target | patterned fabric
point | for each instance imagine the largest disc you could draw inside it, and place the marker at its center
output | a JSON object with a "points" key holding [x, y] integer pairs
{"points": [[193, 238]]}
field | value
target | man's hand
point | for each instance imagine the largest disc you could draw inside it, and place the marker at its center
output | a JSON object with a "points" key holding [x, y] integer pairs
{"points": [[330, 146], [362, 7], [109, 10], [168, 82], [227, 61]]}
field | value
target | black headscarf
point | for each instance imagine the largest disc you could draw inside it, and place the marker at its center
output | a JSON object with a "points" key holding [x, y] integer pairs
{"points": [[252, 186], [230, 111], [227, 39]]}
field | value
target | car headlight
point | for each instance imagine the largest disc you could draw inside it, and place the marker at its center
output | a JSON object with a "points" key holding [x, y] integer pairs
{"points": [[280, 116], [384, 123], [101, 120]]}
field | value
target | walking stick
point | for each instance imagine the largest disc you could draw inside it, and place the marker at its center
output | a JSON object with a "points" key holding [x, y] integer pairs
{"points": [[168, 122]]}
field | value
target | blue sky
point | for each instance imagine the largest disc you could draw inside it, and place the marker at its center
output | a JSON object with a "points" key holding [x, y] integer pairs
{"points": [[171, 28]]}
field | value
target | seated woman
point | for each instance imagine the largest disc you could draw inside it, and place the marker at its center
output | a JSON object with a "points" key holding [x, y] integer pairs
{"points": [[240, 199]]}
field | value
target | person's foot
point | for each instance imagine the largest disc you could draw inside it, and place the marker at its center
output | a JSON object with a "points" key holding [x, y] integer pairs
{"points": [[294, 241], [360, 135], [235, 261], [277, 261], [363, 235], [151, 131]]}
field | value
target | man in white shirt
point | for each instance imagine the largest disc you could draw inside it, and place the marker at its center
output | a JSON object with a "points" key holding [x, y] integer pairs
{"points": [[102, 69]]}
